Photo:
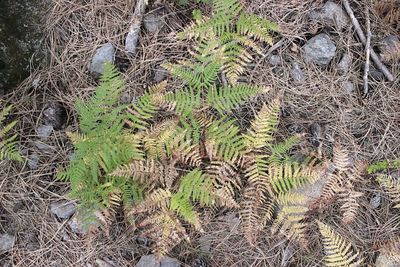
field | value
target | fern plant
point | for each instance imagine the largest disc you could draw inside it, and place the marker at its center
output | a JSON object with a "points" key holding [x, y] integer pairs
{"points": [[231, 31], [101, 146], [338, 252], [8, 150]]}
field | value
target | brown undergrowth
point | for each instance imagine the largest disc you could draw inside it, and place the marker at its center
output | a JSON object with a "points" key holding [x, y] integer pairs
{"points": [[368, 124]]}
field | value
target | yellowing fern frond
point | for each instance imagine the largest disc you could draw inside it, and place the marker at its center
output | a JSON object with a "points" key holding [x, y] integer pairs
{"points": [[264, 126], [392, 186], [165, 230], [338, 252]]}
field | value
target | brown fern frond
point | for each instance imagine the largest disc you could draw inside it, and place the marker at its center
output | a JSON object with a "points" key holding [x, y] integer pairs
{"points": [[148, 172], [165, 229], [392, 186], [331, 187], [182, 149], [350, 206], [156, 200], [226, 181], [250, 214], [341, 160]]}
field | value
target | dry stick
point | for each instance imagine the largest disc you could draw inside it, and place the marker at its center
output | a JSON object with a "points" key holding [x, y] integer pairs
{"points": [[367, 51], [363, 39], [133, 34]]}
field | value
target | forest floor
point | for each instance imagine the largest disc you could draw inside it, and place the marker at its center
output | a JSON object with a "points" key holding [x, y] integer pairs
{"points": [[326, 104]]}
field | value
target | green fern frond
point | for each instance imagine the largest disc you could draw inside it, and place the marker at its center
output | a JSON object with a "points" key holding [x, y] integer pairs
{"points": [[279, 151], [184, 101], [392, 186], [223, 141], [225, 99], [203, 71], [183, 207], [99, 112], [257, 27], [264, 126], [197, 186], [383, 166], [139, 113], [338, 252], [8, 149], [290, 175]]}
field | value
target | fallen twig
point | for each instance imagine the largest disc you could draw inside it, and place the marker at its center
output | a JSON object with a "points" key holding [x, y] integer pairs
{"points": [[133, 34], [363, 39], [367, 50]]}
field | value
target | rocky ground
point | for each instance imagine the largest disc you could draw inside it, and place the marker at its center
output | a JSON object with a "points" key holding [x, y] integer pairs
{"points": [[318, 63]]}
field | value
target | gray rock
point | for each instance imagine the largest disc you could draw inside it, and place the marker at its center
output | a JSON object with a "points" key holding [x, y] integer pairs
{"points": [[389, 43], [125, 98], [385, 260], [348, 87], [331, 14], [44, 148], [344, 63], [375, 74], [33, 161], [389, 47], [275, 60], [76, 225], [152, 22], [105, 53], [151, 261], [375, 201], [105, 263], [54, 115], [6, 242], [63, 209], [160, 74], [205, 244], [297, 74], [320, 49], [44, 131], [316, 132]]}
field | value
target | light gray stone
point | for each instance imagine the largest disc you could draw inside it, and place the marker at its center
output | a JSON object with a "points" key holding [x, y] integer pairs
{"points": [[348, 87], [151, 261], [389, 46], [44, 131], [105, 53], [275, 60], [76, 225], [160, 74], [63, 209], [331, 14], [375, 201], [152, 23], [320, 49], [55, 115], [297, 74], [105, 263], [6, 242], [344, 63], [385, 260], [33, 161]]}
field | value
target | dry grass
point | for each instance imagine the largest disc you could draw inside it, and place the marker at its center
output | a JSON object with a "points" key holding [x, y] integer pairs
{"points": [[76, 28]]}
